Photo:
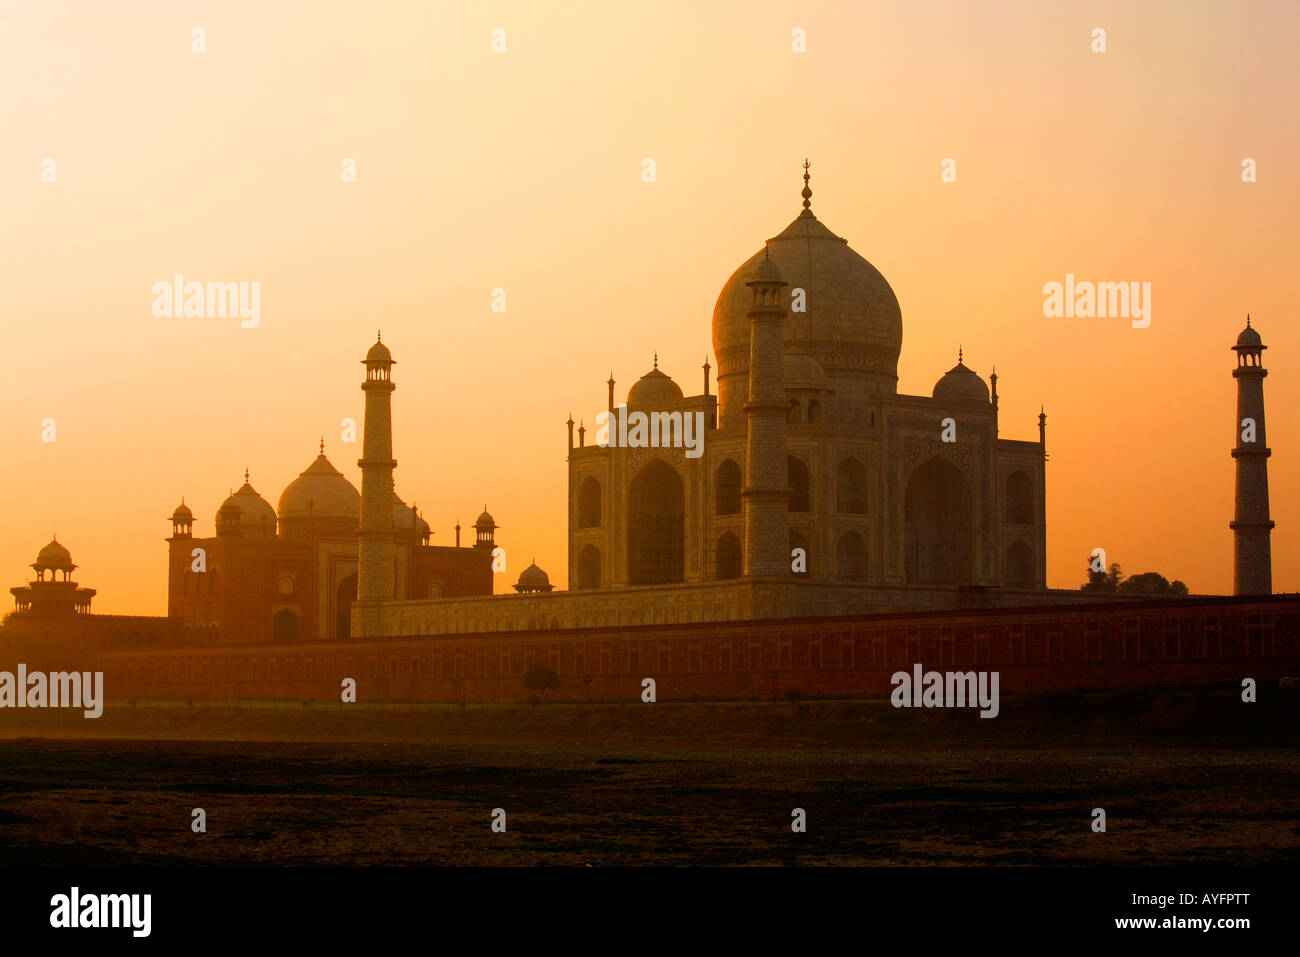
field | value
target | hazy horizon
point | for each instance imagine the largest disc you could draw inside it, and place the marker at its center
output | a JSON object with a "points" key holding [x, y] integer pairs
{"points": [[522, 170]]}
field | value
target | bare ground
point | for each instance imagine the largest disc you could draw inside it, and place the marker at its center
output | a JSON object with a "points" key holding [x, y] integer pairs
{"points": [[1184, 778]]}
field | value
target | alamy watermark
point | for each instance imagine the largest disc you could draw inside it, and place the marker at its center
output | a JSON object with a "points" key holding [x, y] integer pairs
{"points": [[639, 430], [207, 300], [1101, 300], [952, 689], [58, 689], [75, 909]]}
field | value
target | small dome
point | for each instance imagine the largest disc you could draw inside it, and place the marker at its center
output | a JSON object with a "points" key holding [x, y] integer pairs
{"points": [[182, 515], [1249, 339], [54, 555], [379, 353], [654, 389], [485, 521], [802, 372], [320, 492], [766, 271], [246, 511], [532, 575], [960, 384], [533, 579]]}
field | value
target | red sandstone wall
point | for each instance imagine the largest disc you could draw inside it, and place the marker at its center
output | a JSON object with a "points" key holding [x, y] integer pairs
{"points": [[1196, 641]]}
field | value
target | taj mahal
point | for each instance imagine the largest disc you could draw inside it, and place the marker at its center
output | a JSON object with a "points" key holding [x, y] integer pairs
{"points": [[815, 489]]}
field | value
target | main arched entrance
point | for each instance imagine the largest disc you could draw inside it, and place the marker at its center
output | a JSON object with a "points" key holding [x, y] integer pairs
{"points": [[656, 526], [939, 525]]}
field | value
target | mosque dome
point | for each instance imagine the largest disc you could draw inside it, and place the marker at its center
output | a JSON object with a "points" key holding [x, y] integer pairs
{"points": [[485, 520], [54, 555], [320, 492], [961, 384], [654, 389], [533, 579], [244, 511], [1249, 339], [182, 515], [379, 353], [852, 324]]}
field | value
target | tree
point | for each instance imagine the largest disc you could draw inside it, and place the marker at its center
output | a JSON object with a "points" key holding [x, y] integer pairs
{"points": [[1104, 582], [1152, 583], [537, 678], [1147, 583]]}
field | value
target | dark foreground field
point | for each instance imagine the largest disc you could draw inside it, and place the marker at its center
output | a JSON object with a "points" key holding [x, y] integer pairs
{"points": [[1189, 777]]}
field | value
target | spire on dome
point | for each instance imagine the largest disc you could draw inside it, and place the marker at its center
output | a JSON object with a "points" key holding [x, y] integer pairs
{"points": [[322, 445], [807, 191], [656, 360]]}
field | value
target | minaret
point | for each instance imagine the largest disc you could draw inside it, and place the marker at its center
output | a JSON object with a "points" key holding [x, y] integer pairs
{"points": [[1252, 564], [767, 492], [376, 554]]}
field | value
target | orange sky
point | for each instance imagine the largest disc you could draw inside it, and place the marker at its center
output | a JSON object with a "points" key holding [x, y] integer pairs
{"points": [[522, 170]]}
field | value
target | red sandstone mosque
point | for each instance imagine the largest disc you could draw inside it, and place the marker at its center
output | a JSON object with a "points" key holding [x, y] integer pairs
{"points": [[290, 572]]}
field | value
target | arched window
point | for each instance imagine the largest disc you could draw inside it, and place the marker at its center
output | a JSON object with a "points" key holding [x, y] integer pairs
{"points": [[851, 558], [589, 503], [1020, 499], [814, 411], [793, 414], [797, 476], [726, 488], [284, 625], [285, 585], [435, 589], [589, 567], [851, 487], [727, 557]]}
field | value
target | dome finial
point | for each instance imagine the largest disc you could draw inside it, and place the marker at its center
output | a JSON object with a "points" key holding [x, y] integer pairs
{"points": [[959, 355], [656, 360], [245, 475], [807, 191], [379, 335], [1247, 320], [322, 445]]}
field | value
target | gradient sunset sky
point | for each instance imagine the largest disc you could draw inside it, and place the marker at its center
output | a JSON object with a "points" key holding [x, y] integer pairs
{"points": [[522, 170]]}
